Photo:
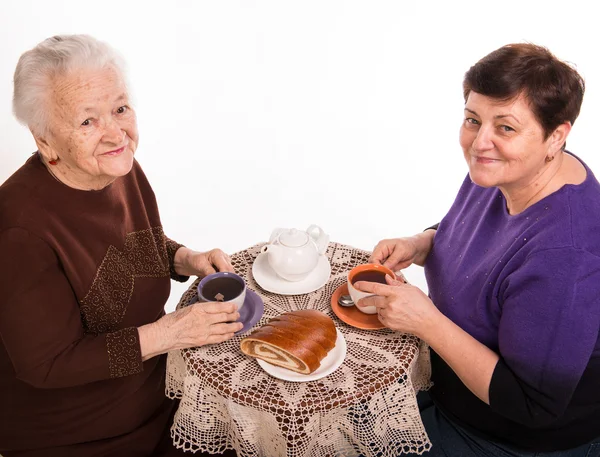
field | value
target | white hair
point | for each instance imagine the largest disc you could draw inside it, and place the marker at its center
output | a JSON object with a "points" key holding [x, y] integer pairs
{"points": [[56, 56]]}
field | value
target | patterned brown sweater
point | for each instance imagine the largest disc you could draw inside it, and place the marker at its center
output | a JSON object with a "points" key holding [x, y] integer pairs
{"points": [[79, 272]]}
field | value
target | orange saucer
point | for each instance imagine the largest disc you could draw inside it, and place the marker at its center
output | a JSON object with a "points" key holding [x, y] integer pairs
{"points": [[351, 315]]}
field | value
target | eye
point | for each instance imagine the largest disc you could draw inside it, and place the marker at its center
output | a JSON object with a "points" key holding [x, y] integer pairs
{"points": [[86, 122], [122, 109], [506, 128], [470, 120]]}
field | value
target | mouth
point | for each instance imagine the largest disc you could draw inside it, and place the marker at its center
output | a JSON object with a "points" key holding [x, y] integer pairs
{"points": [[484, 160], [114, 152]]}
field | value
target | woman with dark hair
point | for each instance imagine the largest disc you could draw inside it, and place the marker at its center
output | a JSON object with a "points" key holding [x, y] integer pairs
{"points": [[513, 270]]}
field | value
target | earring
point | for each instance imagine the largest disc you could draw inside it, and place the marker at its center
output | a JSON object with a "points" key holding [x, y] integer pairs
{"points": [[549, 159], [53, 162]]}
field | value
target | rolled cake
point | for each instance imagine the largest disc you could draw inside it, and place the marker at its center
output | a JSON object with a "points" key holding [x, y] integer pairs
{"points": [[297, 340]]}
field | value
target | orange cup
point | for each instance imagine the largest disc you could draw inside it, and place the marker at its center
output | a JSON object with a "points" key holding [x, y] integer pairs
{"points": [[367, 272]]}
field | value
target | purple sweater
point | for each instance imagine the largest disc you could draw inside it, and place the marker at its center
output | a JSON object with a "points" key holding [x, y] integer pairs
{"points": [[528, 287]]}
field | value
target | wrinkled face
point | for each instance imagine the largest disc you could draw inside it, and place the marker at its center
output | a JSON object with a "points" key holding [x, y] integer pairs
{"points": [[92, 128], [503, 143]]}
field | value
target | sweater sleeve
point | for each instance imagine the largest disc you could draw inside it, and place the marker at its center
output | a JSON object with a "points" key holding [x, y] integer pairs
{"points": [[547, 333], [40, 322], [172, 248]]}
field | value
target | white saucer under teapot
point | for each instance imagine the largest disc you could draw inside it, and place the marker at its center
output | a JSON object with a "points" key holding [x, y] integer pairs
{"points": [[293, 253]]}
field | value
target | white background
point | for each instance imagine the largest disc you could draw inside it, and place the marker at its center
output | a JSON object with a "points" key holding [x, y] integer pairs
{"points": [[263, 114]]}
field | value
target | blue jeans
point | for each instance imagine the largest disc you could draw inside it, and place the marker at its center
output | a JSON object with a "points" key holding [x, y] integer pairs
{"points": [[450, 440]]}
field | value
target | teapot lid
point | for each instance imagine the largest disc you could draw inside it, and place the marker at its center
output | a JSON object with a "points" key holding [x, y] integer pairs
{"points": [[293, 238]]}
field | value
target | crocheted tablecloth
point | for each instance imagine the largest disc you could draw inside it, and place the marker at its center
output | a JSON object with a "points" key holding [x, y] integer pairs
{"points": [[367, 406]]}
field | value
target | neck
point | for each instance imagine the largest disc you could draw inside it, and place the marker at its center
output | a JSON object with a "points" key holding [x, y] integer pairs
{"points": [[521, 196], [62, 173]]}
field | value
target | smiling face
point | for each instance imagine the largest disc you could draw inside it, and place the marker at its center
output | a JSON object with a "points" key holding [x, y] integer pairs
{"points": [[503, 143], [92, 130]]}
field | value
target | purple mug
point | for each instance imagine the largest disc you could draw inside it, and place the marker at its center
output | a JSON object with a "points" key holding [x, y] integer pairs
{"points": [[224, 287]]}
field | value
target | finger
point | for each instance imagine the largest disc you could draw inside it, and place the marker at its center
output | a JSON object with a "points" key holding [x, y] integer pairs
{"points": [[215, 307], [400, 277], [395, 259], [401, 265], [213, 339], [393, 281], [213, 319], [374, 288], [208, 270], [373, 300], [222, 329], [380, 253], [376, 258], [221, 261]]}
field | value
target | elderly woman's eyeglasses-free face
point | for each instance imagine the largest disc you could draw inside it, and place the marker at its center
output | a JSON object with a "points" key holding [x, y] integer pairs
{"points": [[92, 128]]}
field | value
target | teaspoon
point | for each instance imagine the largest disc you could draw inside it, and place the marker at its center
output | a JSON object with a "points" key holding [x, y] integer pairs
{"points": [[345, 300]]}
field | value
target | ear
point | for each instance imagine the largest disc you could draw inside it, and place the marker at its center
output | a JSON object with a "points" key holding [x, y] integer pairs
{"points": [[47, 151], [558, 138]]}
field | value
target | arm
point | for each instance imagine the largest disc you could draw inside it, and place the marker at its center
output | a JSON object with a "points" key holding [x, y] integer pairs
{"points": [[547, 332], [176, 253], [188, 262], [42, 332], [40, 322], [424, 243], [406, 308], [473, 362], [195, 325]]}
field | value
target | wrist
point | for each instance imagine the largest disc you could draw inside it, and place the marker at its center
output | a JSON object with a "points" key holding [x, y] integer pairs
{"points": [[433, 327], [153, 340], [423, 243], [181, 261]]}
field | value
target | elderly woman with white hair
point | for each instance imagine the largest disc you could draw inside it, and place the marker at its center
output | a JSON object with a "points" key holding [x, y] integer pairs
{"points": [[85, 270]]}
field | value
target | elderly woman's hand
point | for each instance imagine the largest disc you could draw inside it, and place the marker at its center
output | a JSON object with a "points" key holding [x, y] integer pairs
{"points": [[396, 253], [400, 306], [188, 262], [192, 326], [399, 253]]}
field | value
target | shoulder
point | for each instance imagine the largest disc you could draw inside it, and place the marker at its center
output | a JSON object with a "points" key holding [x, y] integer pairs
{"points": [[21, 196], [574, 211], [565, 222]]}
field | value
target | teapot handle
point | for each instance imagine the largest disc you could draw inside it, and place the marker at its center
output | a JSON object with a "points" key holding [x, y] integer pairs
{"points": [[321, 239]]}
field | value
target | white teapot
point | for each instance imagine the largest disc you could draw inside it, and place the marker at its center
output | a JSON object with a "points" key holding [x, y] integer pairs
{"points": [[293, 254]]}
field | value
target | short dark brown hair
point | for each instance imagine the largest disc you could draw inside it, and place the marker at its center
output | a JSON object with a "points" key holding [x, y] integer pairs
{"points": [[553, 88]]}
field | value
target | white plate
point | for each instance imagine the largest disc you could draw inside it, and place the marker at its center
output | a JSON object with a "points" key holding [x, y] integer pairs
{"points": [[329, 364], [268, 279]]}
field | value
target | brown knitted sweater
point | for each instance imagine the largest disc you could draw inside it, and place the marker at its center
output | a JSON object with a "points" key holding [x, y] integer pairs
{"points": [[79, 272]]}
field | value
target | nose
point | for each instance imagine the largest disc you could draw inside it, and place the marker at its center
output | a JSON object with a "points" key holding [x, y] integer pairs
{"points": [[483, 141], [113, 132]]}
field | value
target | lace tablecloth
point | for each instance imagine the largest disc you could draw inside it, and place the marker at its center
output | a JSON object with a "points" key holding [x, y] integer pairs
{"points": [[367, 406]]}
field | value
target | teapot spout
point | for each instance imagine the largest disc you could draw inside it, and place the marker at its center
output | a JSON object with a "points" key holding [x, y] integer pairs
{"points": [[271, 249], [275, 256]]}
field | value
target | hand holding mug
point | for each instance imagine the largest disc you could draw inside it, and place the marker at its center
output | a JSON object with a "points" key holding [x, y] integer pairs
{"points": [[363, 273], [188, 262], [400, 306], [199, 324]]}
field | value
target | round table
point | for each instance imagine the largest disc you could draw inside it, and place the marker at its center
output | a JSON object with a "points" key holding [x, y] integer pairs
{"points": [[367, 406]]}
